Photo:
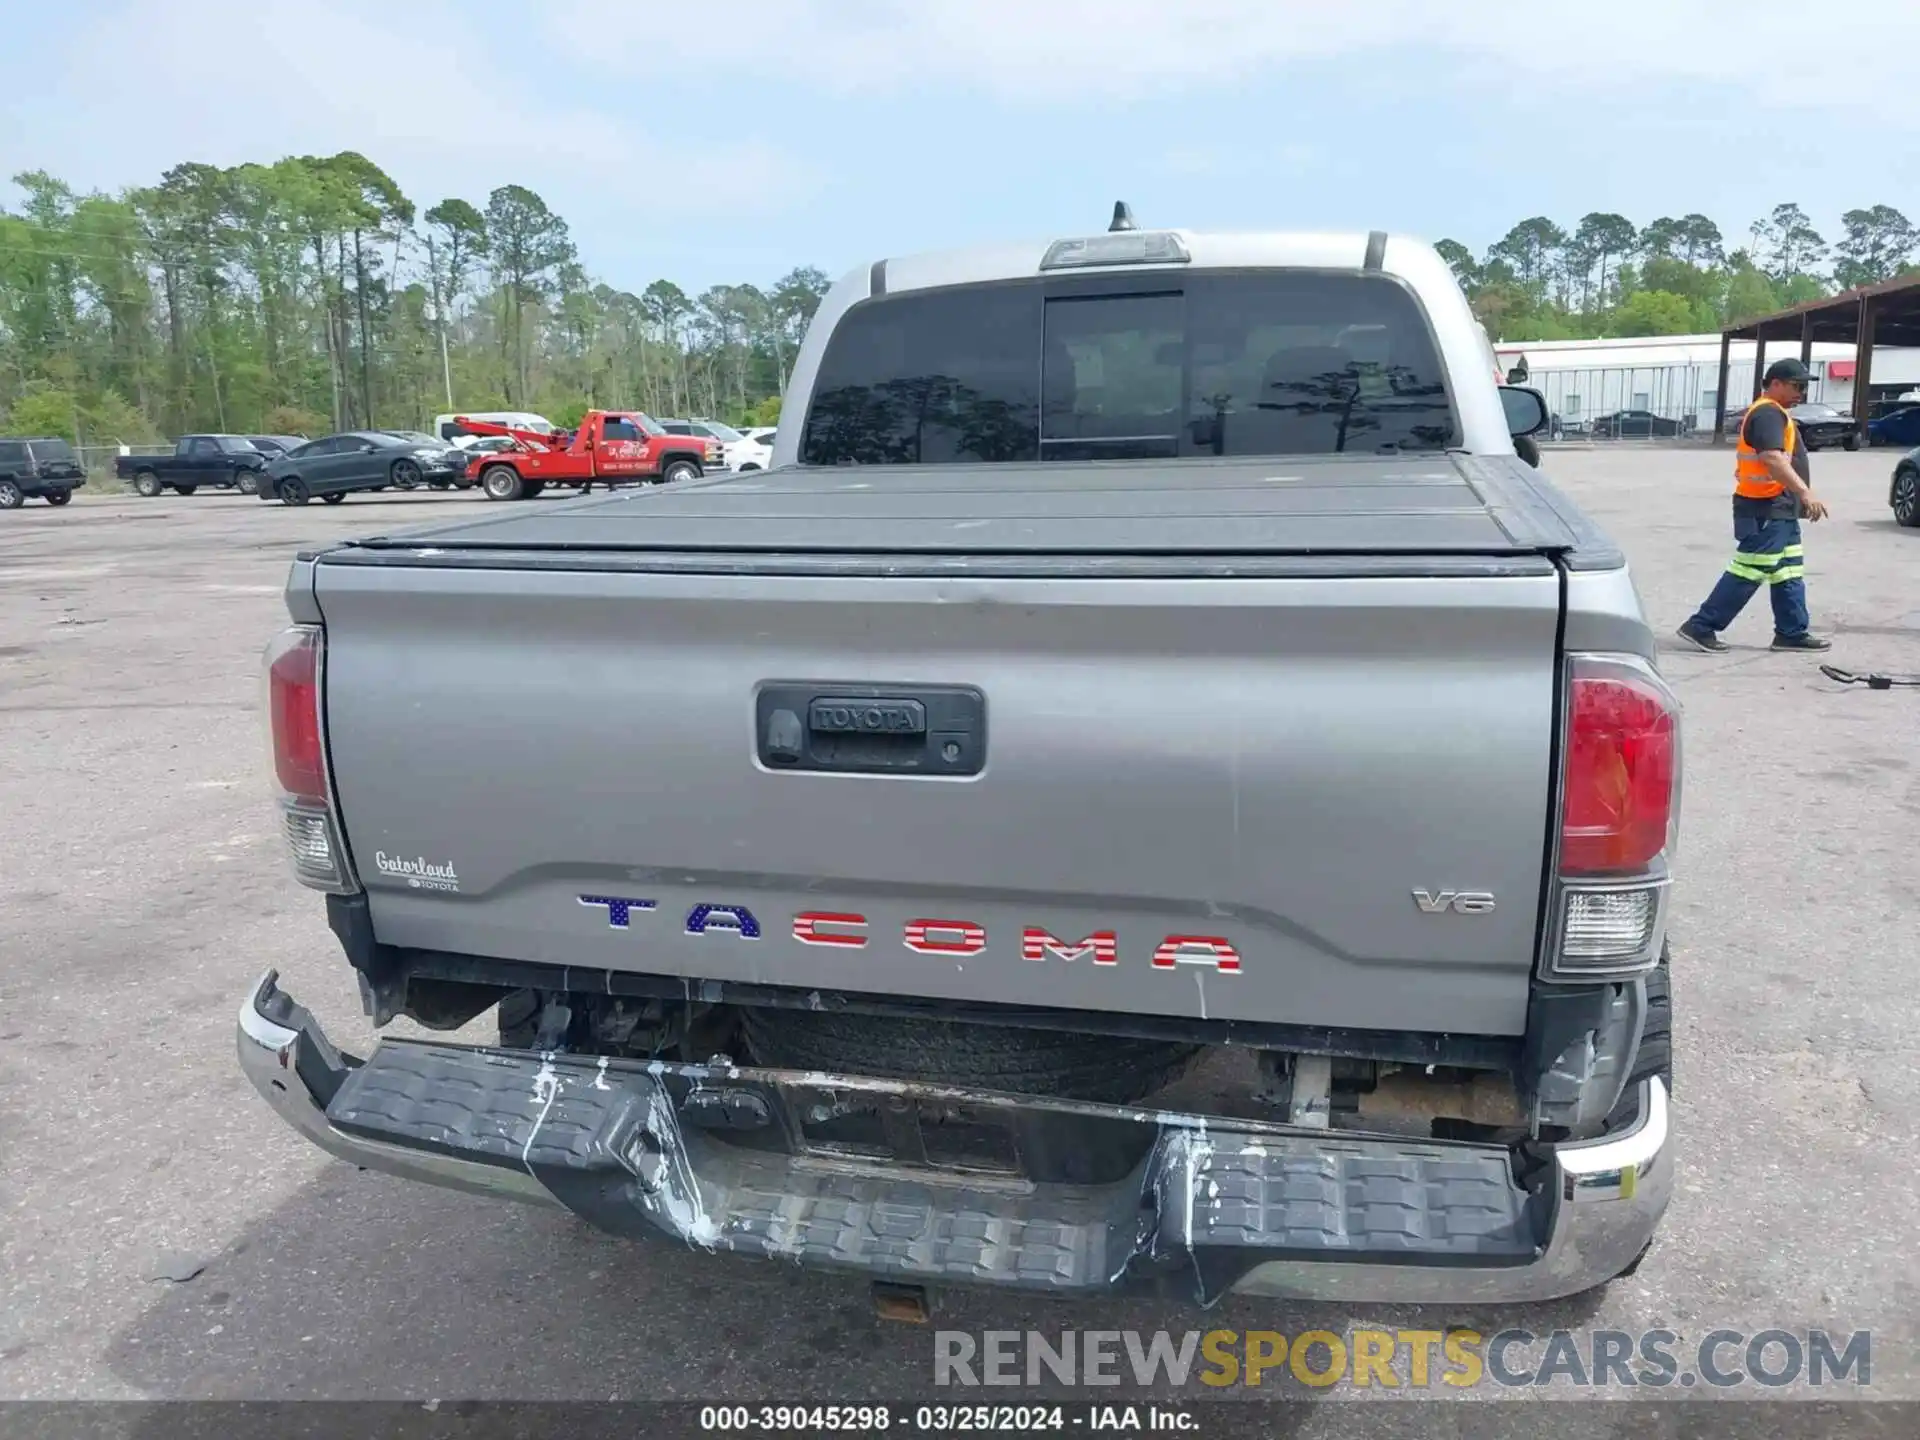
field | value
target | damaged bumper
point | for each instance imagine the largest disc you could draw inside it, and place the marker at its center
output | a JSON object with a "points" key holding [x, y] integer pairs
{"points": [[937, 1186]]}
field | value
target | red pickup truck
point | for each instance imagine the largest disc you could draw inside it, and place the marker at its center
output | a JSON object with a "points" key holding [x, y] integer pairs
{"points": [[613, 447]]}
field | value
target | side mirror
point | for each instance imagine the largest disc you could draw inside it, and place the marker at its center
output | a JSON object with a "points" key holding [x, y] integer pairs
{"points": [[1526, 410], [368, 449], [1519, 373]]}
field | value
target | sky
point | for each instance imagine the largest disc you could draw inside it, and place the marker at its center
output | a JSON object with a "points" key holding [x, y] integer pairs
{"points": [[730, 140]]}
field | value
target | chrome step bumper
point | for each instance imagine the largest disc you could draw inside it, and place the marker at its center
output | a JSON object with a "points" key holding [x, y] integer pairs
{"points": [[938, 1186]]}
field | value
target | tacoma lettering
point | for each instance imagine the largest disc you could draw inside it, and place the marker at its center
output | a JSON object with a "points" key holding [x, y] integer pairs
{"points": [[728, 919], [959, 939], [619, 908], [945, 937], [823, 927], [1037, 944], [1197, 950]]}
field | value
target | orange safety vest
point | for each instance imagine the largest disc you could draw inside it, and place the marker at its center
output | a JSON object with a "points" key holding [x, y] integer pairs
{"points": [[1751, 478]]}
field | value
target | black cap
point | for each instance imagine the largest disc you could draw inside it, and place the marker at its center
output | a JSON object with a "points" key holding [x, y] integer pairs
{"points": [[1792, 371]]}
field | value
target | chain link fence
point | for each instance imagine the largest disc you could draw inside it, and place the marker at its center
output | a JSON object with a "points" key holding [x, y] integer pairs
{"points": [[1660, 402], [98, 461], [1668, 402]]}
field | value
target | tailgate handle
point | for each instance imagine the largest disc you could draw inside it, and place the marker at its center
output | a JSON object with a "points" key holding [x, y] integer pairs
{"points": [[871, 729]]}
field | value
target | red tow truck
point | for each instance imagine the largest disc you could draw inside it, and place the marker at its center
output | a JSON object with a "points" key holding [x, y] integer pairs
{"points": [[613, 447]]}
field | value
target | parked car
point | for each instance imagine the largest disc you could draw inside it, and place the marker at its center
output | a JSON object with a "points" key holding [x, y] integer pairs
{"points": [[337, 465], [707, 429], [449, 428], [474, 446], [1399, 828], [748, 453], [38, 467], [1904, 494], [1823, 426], [1896, 427], [1634, 425], [448, 461], [736, 451], [198, 462]]}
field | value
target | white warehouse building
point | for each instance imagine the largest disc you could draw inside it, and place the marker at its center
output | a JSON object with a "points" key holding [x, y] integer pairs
{"points": [[1675, 376]]}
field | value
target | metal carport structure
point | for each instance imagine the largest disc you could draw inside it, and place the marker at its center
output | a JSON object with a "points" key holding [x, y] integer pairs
{"points": [[1883, 314]]}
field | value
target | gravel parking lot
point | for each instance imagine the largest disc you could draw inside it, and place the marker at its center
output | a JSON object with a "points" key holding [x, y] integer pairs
{"points": [[142, 889]]}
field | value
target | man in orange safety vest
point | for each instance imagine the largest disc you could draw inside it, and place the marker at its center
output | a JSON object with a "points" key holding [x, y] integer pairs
{"points": [[1772, 490]]}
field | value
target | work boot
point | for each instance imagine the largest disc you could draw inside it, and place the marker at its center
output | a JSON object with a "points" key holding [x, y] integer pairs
{"points": [[1702, 638], [1803, 641]]}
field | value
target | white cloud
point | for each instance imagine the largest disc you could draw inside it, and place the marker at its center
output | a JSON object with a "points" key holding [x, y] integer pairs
{"points": [[444, 109], [600, 104], [1062, 51]]}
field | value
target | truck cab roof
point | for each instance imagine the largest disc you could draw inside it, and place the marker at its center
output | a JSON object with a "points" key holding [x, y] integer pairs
{"points": [[1200, 250]]}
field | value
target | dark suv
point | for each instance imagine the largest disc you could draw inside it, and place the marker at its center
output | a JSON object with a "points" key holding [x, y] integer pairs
{"points": [[37, 465]]}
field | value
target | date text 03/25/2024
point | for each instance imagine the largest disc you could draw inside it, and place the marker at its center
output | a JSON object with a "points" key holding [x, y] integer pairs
{"points": [[946, 1419]]}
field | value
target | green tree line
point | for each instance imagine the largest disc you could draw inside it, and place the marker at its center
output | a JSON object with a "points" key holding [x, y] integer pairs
{"points": [[1607, 277], [312, 295]]}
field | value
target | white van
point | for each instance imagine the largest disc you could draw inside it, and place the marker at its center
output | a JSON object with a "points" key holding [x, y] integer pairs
{"points": [[447, 428]]}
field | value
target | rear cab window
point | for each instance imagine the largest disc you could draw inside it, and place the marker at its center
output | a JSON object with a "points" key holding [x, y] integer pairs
{"points": [[1209, 364]]}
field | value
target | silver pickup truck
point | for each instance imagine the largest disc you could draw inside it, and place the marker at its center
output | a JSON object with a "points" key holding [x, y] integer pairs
{"points": [[1147, 792]]}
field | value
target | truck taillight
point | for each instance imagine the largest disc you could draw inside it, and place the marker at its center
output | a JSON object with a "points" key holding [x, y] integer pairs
{"points": [[1619, 817], [293, 671], [293, 706], [1622, 767]]}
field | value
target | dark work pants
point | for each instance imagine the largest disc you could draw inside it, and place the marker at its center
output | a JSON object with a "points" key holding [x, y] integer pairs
{"points": [[1768, 553]]}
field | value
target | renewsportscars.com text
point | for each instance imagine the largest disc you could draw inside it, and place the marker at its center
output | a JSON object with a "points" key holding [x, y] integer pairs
{"points": [[1407, 1359]]}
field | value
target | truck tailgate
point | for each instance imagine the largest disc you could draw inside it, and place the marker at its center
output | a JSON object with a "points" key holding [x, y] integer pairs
{"points": [[1229, 793]]}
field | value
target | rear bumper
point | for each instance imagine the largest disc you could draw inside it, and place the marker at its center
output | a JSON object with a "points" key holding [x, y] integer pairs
{"points": [[751, 1161]]}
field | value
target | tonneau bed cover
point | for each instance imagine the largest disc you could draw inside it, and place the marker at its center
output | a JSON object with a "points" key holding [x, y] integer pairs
{"points": [[1432, 505]]}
